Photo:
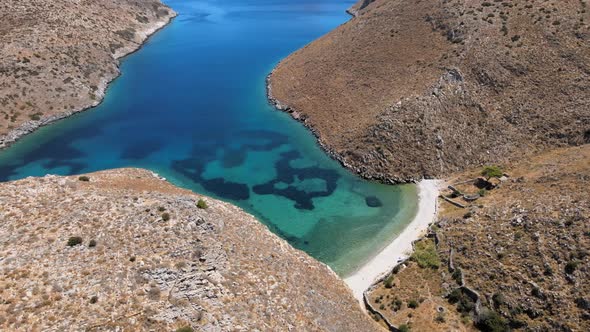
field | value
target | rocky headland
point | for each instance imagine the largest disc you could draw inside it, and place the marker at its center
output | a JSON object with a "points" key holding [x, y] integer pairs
{"points": [[125, 250], [426, 89], [57, 57]]}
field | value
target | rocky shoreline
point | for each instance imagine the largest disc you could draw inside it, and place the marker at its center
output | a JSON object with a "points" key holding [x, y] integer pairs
{"points": [[28, 127], [302, 118], [402, 92]]}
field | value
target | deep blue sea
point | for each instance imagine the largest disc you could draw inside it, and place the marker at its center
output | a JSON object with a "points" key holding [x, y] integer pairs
{"points": [[191, 106]]}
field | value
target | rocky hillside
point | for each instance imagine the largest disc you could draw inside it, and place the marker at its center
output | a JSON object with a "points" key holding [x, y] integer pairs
{"points": [[411, 89], [57, 57], [124, 250], [523, 249]]}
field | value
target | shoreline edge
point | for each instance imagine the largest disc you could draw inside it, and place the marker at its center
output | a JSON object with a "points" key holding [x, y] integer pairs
{"points": [[402, 246]]}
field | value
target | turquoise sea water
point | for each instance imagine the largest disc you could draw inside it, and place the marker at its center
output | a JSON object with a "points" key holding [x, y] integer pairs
{"points": [[191, 106]]}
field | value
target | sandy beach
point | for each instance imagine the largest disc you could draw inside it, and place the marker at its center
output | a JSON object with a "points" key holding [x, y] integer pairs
{"points": [[401, 247]]}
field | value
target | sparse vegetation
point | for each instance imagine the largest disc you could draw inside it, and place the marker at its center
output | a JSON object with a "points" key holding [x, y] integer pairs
{"points": [[389, 281], [184, 329], [92, 243], [396, 304], [404, 328], [492, 172], [491, 321], [464, 303], [74, 241], [457, 275], [165, 216], [570, 267], [498, 299], [425, 254], [201, 204], [84, 178]]}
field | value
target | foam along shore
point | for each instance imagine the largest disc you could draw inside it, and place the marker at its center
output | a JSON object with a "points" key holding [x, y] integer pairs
{"points": [[401, 247]]}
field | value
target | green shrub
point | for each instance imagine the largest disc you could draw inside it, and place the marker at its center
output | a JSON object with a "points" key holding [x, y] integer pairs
{"points": [[491, 321], [455, 296], [482, 192], [161, 208], [74, 241], [92, 244], [457, 275], [165, 216], [389, 282], [498, 299], [184, 329], [93, 299], [413, 304], [548, 271], [201, 204], [425, 255], [570, 267], [396, 304], [404, 328], [464, 302], [84, 178], [492, 172]]}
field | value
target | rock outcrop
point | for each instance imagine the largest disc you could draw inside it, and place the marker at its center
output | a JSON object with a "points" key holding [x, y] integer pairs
{"points": [[125, 250]]}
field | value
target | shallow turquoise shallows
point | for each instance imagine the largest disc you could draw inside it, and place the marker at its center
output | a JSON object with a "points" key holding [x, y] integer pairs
{"points": [[191, 106]]}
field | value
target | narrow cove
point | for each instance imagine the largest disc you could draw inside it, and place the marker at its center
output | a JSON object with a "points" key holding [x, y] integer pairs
{"points": [[191, 106]]}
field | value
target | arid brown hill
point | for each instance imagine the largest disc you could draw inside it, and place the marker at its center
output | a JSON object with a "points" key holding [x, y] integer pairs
{"points": [[124, 250], [524, 248], [57, 57], [411, 89]]}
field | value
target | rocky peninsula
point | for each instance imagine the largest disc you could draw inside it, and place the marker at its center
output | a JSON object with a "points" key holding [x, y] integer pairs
{"points": [[57, 57], [125, 250]]}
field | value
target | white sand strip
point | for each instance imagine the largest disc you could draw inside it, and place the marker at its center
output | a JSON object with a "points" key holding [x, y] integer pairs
{"points": [[401, 247]]}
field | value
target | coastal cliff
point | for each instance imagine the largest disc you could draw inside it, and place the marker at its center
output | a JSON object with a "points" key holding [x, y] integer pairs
{"points": [[123, 249], [407, 90], [57, 57]]}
